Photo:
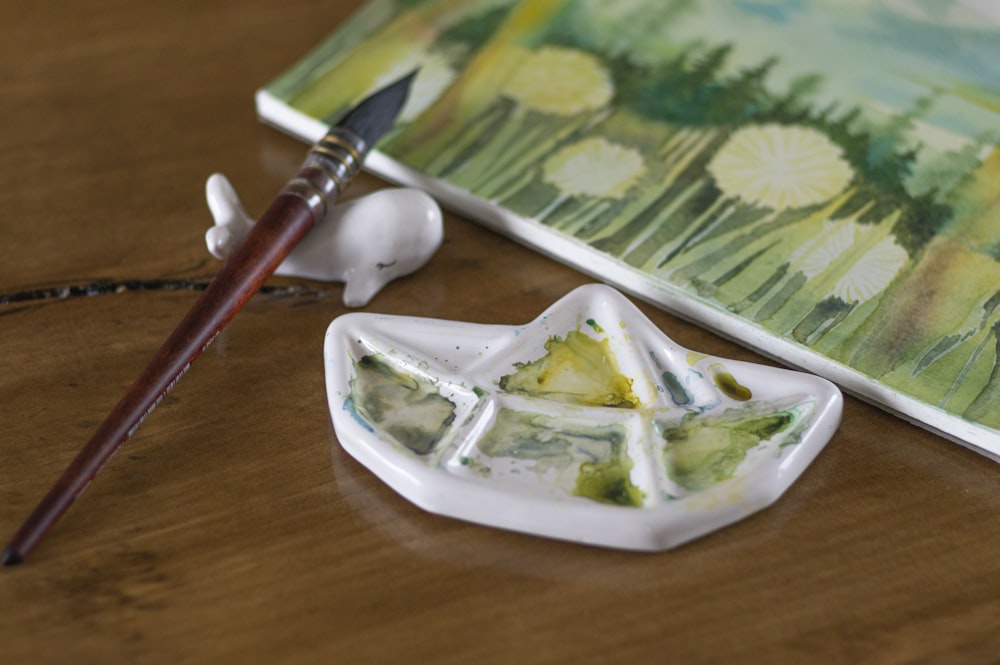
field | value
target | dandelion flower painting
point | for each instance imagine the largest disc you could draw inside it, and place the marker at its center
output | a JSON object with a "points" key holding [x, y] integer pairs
{"points": [[594, 167], [872, 273], [817, 179], [780, 167], [561, 82], [822, 250], [865, 264]]}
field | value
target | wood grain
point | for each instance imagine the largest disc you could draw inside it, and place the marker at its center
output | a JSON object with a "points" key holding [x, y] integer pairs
{"points": [[233, 528]]}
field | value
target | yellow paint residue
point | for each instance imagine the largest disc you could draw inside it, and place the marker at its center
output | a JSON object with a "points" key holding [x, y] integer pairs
{"points": [[728, 384], [694, 357], [578, 370]]}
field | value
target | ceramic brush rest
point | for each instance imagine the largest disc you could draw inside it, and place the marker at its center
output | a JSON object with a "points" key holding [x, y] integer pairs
{"points": [[364, 243]]}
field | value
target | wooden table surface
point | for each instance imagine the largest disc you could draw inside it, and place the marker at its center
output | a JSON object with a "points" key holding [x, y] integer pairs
{"points": [[233, 529]]}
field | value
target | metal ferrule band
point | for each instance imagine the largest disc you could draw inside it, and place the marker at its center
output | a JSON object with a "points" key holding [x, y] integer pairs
{"points": [[334, 140], [330, 166]]}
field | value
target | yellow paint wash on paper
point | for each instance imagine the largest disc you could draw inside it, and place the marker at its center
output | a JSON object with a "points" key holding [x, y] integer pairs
{"points": [[481, 78]]}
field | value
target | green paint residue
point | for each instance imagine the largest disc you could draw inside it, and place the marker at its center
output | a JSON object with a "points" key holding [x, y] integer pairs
{"points": [[596, 326], [578, 370], [407, 408], [728, 384], [608, 482], [475, 465], [701, 452], [597, 452], [678, 393]]}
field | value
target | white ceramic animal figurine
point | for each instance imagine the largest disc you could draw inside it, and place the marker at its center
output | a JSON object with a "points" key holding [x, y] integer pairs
{"points": [[365, 243]]}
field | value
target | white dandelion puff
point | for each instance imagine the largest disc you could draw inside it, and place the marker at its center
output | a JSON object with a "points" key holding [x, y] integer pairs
{"points": [[867, 275], [594, 167], [780, 167], [560, 81], [822, 250], [872, 273]]}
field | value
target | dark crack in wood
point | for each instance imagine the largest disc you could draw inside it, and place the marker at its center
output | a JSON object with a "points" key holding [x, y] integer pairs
{"points": [[101, 288]]}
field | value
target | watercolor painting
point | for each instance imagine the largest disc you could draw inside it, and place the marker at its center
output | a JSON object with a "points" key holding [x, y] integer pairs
{"points": [[822, 176]]}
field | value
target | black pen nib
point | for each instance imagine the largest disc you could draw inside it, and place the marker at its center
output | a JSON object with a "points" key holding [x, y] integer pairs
{"points": [[376, 114], [10, 557]]}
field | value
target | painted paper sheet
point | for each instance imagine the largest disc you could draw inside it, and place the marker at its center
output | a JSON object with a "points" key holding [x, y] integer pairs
{"points": [[818, 178]]}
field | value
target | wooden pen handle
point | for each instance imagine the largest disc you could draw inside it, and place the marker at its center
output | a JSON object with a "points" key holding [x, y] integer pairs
{"points": [[271, 239]]}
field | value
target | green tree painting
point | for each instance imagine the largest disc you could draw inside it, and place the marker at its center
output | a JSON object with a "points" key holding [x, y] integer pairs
{"points": [[823, 171]]}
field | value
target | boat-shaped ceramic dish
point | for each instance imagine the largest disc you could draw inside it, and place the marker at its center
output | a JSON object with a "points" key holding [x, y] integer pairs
{"points": [[587, 424]]}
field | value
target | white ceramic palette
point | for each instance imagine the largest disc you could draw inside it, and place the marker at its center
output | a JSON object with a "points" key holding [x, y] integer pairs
{"points": [[587, 424]]}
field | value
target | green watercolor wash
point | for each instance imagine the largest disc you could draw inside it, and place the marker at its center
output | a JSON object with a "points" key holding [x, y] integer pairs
{"points": [[597, 451], [479, 392], [728, 384], [578, 370], [701, 452], [407, 408]]}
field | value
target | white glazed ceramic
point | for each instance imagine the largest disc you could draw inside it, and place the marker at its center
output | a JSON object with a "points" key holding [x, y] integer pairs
{"points": [[603, 432], [365, 243]]}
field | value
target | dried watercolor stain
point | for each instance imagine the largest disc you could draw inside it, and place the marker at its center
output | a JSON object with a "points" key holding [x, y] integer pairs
{"points": [[728, 384], [571, 443], [701, 452], [408, 408], [595, 453], [576, 369]]}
